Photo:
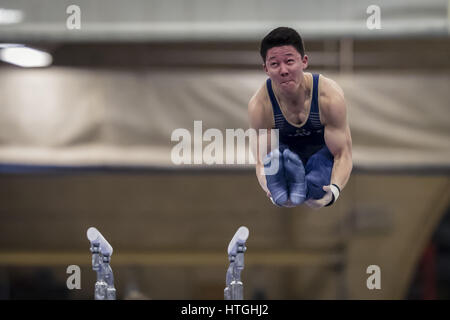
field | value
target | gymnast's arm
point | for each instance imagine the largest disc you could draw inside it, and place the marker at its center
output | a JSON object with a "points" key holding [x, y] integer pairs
{"points": [[337, 138], [259, 119]]}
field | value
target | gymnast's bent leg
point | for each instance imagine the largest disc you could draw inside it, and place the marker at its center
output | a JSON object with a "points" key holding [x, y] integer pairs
{"points": [[318, 173]]}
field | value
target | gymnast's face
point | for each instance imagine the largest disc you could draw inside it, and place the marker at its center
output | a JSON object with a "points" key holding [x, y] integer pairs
{"points": [[284, 65]]}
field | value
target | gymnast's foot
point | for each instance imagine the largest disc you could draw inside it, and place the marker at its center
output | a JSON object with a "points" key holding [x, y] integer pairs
{"points": [[276, 180], [295, 176]]}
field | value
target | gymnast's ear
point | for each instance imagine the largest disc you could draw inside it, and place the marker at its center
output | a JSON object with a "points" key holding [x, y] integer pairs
{"points": [[305, 61], [265, 67]]}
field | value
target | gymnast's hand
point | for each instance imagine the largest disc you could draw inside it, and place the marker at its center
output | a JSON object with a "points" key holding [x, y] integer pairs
{"points": [[319, 203]]}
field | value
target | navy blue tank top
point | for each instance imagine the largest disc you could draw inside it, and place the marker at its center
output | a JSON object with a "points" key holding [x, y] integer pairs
{"points": [[304, 140]]}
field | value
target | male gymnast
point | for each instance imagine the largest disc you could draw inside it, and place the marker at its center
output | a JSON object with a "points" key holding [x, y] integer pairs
{"points": [[309, 110]]}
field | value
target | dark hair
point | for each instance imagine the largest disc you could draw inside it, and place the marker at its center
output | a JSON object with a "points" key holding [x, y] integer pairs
{"points": [[281, 36]]}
